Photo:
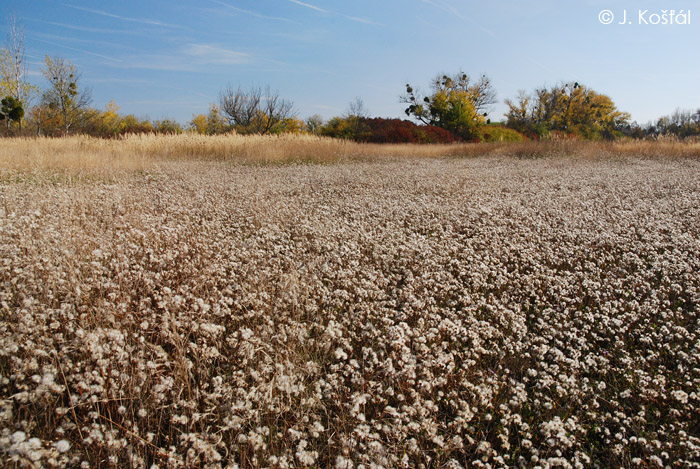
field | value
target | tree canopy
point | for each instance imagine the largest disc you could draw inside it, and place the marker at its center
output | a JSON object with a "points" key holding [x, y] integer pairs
{"points": [[570, 108], [456, 104], [11, 110], [64, 97]]}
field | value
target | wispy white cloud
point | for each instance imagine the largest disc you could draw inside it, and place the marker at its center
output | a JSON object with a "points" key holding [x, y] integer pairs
{"points": [[444, 7], [149, 84], [447, 8], [308, 5], [189, 58], [161, 63], [252, 13], [82, 41], [88, 29], [210, 54], [75, 49], [89, 43], [360, 20], [126, 18], [330, 12], [278, 66]]}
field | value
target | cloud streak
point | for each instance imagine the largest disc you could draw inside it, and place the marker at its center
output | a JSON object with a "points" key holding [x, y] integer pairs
{"points": [[210, 54], [191, 58], [308, 5], [444, 7], [335, 13], [75, 49], [88, 29], [453, 11], [126, 18], [252, 13]]}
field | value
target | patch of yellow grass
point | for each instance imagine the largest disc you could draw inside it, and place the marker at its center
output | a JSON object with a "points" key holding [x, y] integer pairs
{"points": [[84, 154]]}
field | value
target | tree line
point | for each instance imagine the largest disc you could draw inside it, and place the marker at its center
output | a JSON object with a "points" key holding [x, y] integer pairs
{"points": [[456, 108]]}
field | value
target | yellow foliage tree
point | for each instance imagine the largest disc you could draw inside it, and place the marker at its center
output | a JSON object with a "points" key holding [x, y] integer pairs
{"points": [[292, 125], [456, 104], [109, 120], [198, 124], [570, 108]]}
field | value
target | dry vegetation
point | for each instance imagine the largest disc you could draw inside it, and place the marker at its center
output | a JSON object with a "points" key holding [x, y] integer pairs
{"points": [[162, 306], [94, 156]]}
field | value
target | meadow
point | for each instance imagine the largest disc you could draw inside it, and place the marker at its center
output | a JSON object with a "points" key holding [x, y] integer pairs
{"points": [[304, 302]]}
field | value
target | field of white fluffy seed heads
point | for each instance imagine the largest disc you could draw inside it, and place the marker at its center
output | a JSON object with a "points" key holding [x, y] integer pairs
{"points": [[488, 312]]}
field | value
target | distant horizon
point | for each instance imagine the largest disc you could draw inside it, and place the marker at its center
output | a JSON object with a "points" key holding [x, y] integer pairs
{"points": [[171, 59]]}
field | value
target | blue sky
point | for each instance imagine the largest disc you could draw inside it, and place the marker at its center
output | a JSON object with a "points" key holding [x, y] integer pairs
{"points": [[171, 58]]}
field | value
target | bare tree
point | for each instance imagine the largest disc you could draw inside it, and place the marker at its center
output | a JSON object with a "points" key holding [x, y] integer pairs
{"points": [[15, 48], [358, 109], [240, 107], [13, 68], [256, 110], [356, 115], [65, 97]]}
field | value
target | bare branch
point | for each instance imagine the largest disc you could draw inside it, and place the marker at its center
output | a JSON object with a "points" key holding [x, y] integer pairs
{"points": [[484, 94], [255, 110]]}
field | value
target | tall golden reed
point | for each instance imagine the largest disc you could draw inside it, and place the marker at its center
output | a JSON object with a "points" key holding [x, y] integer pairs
{"points": [[140, 152]]}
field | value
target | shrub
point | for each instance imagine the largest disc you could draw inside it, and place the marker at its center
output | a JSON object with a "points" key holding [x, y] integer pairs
{"points": [[501, 133], [403, 131], [167, 126]]}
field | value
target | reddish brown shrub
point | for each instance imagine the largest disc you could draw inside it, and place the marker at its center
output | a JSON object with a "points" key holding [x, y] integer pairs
{"points": [[402, 131]]}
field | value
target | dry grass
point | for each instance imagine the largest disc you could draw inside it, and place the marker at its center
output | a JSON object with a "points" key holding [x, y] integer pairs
{"points": [[455, 312], [93, 156]]}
